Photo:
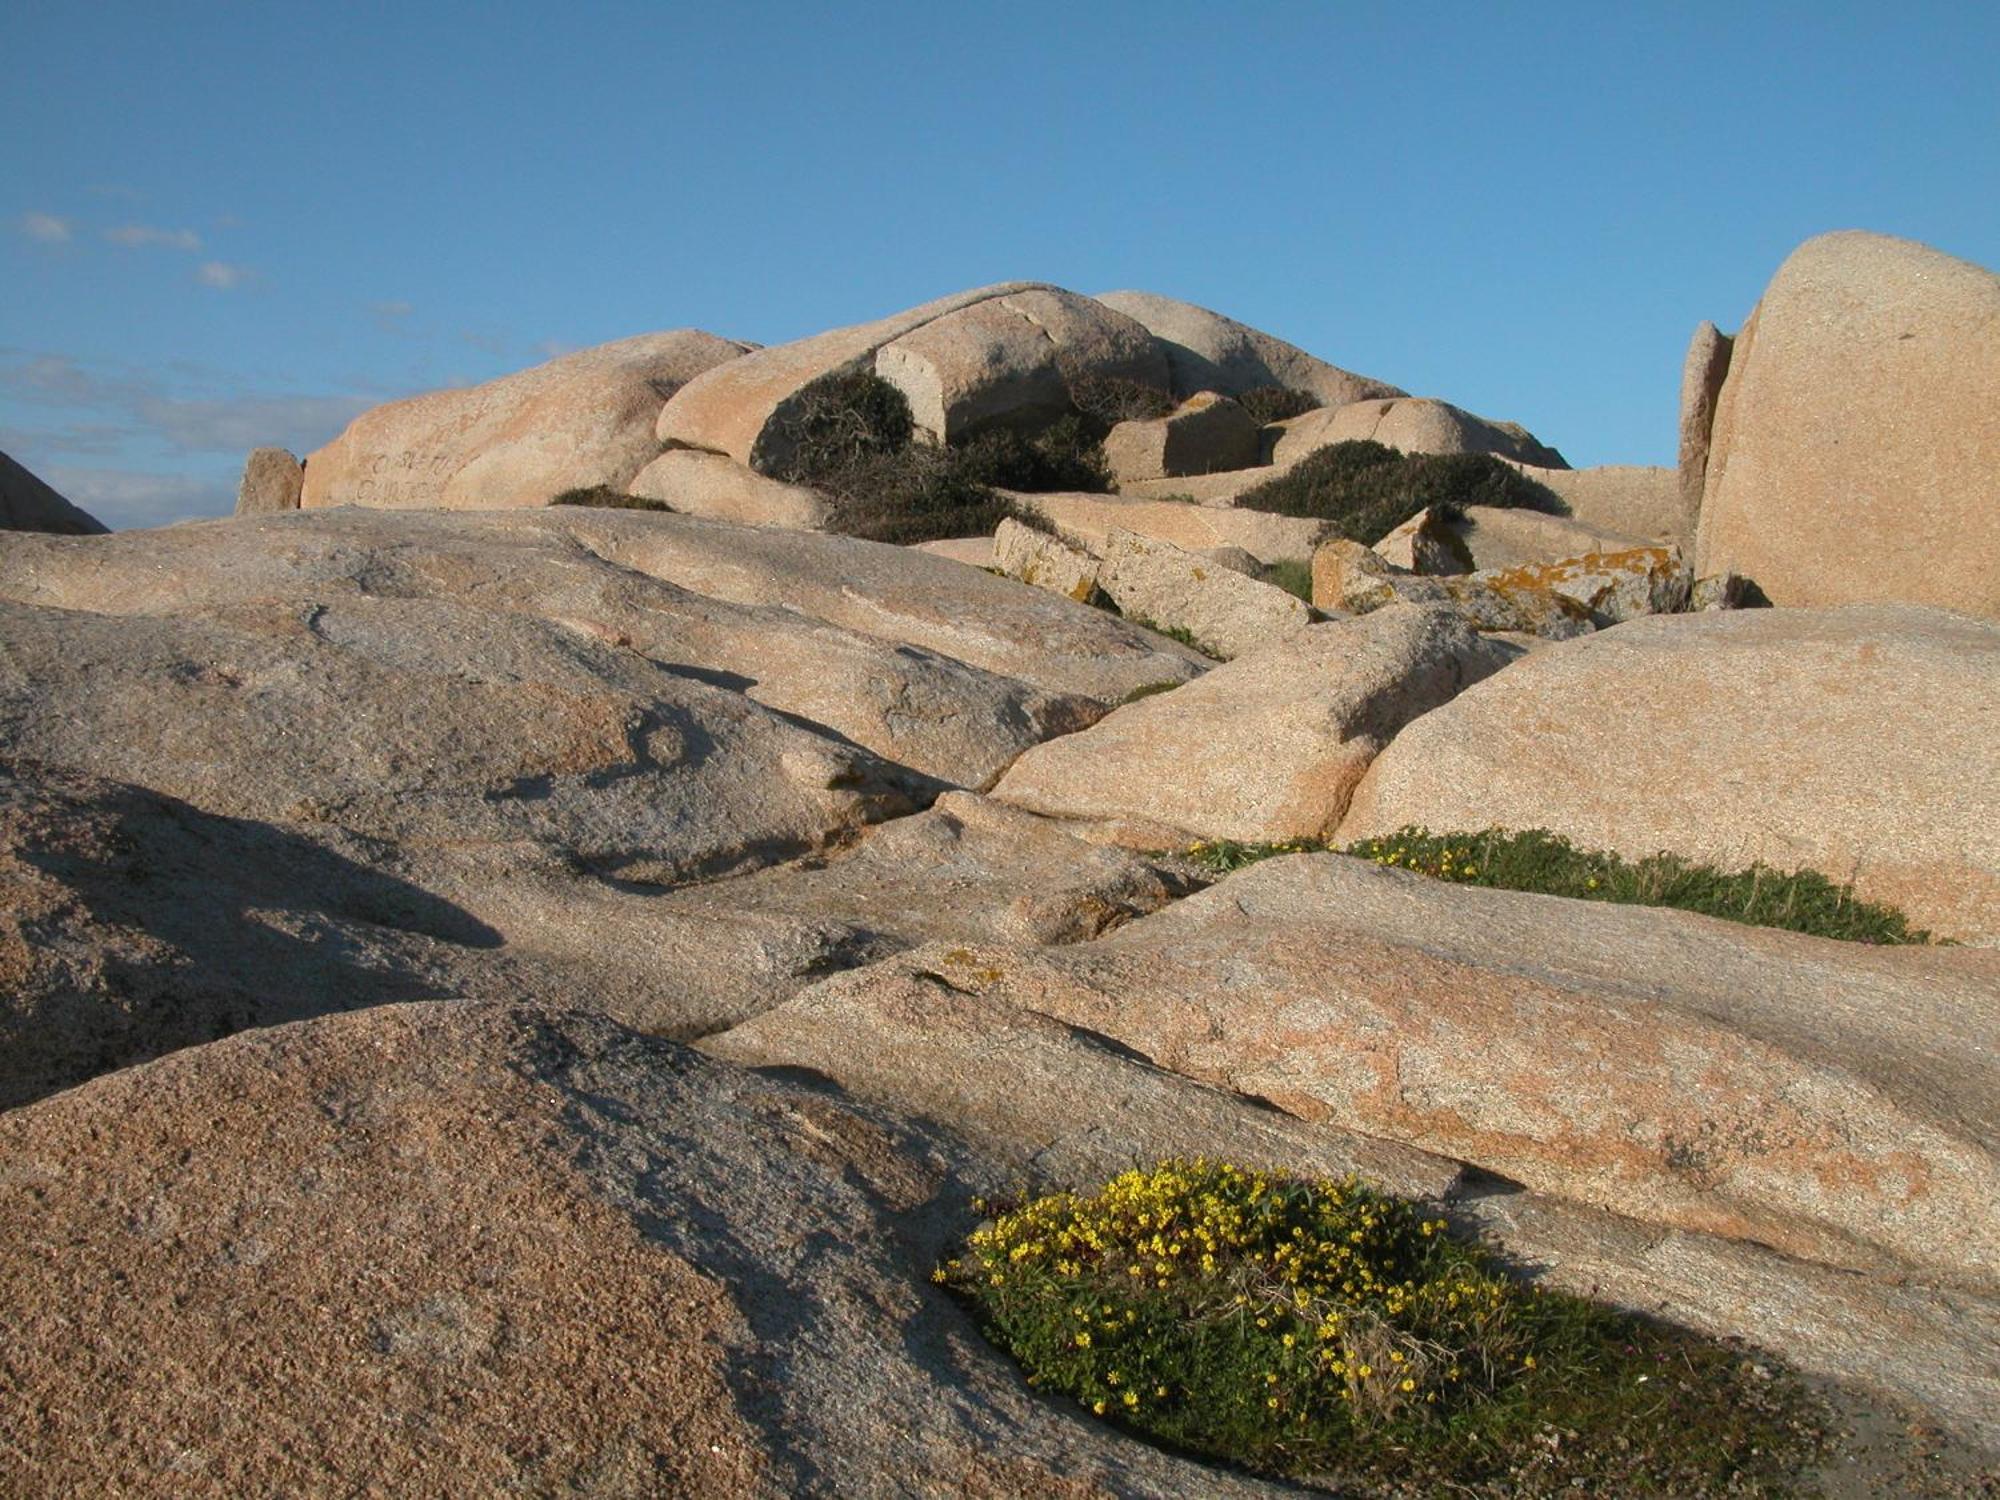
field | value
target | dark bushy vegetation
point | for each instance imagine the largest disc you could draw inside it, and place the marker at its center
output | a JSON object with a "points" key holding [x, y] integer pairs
{"points": [[1364, 490], [604, 496], [1276, 403], [1331, 1331], [1106, 400], [1063, 456], [1547, 863]]}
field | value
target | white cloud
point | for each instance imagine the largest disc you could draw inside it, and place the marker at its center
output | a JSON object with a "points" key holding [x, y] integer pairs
{"points": [[124, 497], [239, 423], [50, 229], [135, 236], [221, 275]]}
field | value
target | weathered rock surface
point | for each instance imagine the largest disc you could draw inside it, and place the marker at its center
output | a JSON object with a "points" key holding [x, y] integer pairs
{"points": [[1628, 500], [1702, 374], [1205, 434], [1203, 489], [1068, 1103], [272, 481], [1412, 423], [1227, 613], [1500, 537], [27, 504], [1428, 542], [974, 551], [1859, 743], [1208, 352], [1007, 361], [1834, 1101], [721, 489], [583, 420], [900, 594], [1347, 576], [459, 1249], [1856, 437], [1265, 748], [1045, 561], [1091, 519], [935, 715]]}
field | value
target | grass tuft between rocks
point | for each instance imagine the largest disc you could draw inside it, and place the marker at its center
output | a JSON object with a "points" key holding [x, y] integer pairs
{"points": [[1548, 864], [605, 497], [1330, 1331]]}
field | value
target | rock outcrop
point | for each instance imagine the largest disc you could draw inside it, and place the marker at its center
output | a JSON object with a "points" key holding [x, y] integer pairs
{"points": [[1412, 424], [1225, 612], [27, 504], [1858, 742], [1209, 352], [580, 421], [1265, 748], [1856, 436], [721, 489], [1204, 434], [272, 482], [1091, 519], [1702, 374]]}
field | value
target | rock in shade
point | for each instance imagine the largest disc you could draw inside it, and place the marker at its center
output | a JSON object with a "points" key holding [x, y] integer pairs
{"points": [[1205, 434], [1857, 435], [27, 504], [1857, 742]]}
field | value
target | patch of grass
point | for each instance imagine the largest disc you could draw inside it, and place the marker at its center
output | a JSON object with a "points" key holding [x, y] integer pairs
{"points": [[1148, 690], [1292, 574], [1537, 860], [1277, 403], [1331, 1331], [1546, 863], [1365, 490], [1177, 633], [602, 495]]}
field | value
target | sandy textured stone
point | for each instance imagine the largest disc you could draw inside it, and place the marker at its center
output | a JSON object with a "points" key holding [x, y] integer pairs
{"points": [[1007, 361], [1205, 434], [1624, 500], [1265, 748], [1702, 374], [1837, 1102], [901, 594], [1356, 579], [1203, 489], [583, 420], [1208, 352], [1091, 519], [1859, 742], [931, 713], [454, 1249], [721, 489], [27, 504], [1857, 434], [1044, 560], [1426, 543], [974, 551], [272, 480], [1499, 537], [1411, 423], [1156, 583]]}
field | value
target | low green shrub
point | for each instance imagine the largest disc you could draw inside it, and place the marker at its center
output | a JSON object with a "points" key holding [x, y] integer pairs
{"points": [[1277, 403], [1330, 1331], [1063, 456], [1364, 490], [604, 496], [1548, 864], [1292, 574]]}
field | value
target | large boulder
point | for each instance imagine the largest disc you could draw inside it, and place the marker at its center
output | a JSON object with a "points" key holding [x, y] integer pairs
{"points": [[1837, 1102], [1091, 519], [1205, 434], [1008, 361], [1411, 423], [721, 489], [1857, 742], [1857, 434], [1045, 560], [462, 1249], [272, 482], [1265, 748], [1632, 500], [995, 354], [1208, 352], [1475, 538], [27, 504], [1227, 613], [928, 712], [574, 423]]}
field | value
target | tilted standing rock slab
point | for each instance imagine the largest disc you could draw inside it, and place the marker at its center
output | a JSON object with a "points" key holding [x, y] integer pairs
{"points": [[27, 504], [464, 1249], [272, 481], [1091, 518], [1858, 742], [1265, 748], [583, 420], [1857, 436], [1209, 352], [1702, 375], [1226, 612], [1834, 1101], [1044, 560]]}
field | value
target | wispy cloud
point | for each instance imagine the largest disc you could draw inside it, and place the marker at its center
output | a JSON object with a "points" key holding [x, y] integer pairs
{"points": [[137, 236], [50, 229], [222, 276], [125, 497]]}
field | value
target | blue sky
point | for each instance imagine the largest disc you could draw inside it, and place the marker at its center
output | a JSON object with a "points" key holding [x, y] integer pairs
{"points": [[222, 225]]}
